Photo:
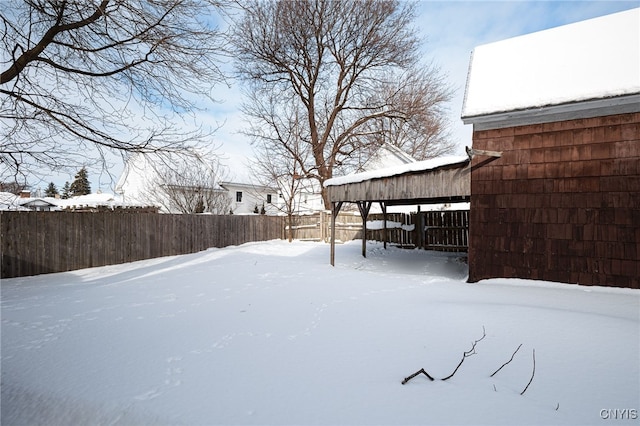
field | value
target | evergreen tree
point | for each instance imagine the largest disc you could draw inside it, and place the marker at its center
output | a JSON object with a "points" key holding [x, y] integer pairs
{"points": [[51, 190], [66, 190], [80, 185], [199, 206]]}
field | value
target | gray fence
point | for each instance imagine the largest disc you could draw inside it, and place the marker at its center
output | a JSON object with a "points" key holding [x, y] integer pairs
{"points": [[35, 243], [429, 230]]}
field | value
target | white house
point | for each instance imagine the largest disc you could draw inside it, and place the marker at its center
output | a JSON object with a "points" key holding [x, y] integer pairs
{"points": [[174, 185], [145, 180], [386, 156], [248, 198]]}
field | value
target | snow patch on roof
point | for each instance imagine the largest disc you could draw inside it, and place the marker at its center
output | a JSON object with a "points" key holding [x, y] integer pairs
{"points": [[594, 59], [417, 166]]}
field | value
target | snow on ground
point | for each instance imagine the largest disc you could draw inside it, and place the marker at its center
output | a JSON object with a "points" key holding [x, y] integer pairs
{"points": [[270, 333]]}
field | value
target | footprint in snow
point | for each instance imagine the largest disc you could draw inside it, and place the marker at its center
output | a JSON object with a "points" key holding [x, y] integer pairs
{"points": [[153, 393]]}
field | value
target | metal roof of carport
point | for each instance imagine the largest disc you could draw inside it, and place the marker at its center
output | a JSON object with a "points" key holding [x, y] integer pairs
{"points": [[445, 179]]}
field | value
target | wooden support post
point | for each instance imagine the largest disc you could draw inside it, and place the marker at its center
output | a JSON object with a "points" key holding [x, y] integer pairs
{"points": [[364, 208], [335, 209], [385, 232]]}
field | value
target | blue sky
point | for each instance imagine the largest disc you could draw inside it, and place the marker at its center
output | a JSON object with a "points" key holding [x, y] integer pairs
{"points": [[452, 29]]}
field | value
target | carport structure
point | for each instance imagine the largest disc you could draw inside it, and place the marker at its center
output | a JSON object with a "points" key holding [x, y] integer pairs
{"points": [[435, 181]]}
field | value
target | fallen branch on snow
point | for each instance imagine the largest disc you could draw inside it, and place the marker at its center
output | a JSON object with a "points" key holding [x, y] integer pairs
{"points": [[533, 373], [468, 353], [502, 366], [421, 371]]}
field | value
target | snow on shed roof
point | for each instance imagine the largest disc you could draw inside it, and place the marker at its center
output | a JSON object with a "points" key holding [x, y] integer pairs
{"points": [[594, 59], [417, 166]]}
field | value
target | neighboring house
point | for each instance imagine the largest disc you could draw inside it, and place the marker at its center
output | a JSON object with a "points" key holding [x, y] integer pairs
{"points": [[9, 201], [25, 202], [562, 202], [386, 156], [247, 198], [174, 188], [102, 201], [89, 202], [38, 204]]}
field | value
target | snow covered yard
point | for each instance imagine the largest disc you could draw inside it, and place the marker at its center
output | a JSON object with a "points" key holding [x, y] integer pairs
{"points": [[270, 333]]}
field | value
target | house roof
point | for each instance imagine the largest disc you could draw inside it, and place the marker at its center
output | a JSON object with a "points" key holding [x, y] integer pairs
{"points": [[36, 202], [583, 66], [387, 156], [248, 187]]}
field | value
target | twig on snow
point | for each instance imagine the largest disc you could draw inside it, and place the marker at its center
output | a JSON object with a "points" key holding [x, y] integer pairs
{"points": [[512, 355], [533, 373], [468, 353], [421, 371]]}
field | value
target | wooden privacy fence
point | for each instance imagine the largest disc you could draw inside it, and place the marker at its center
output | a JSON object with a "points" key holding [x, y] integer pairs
{"points": [[441, 230], [35, 243], [43, 242]]}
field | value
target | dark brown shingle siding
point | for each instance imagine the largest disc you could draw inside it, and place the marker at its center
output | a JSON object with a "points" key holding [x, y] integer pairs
{"points": [[561, 204]]}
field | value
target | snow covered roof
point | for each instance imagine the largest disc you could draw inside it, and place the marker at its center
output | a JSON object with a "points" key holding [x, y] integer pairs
{"points": [[596, 59], [417, 166], [248, 186], [9, 201], [387, 156]]}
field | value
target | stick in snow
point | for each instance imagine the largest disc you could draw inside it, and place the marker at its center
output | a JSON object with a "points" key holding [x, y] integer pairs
{"points": [[421, 371], [532, 374], [468, 353], [512, 355]]}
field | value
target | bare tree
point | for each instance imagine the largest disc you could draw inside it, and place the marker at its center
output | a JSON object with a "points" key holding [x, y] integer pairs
{"points": [[279, 159], [330, 58], [194, 187], [86, 78], [178, 184], [424, 132]]}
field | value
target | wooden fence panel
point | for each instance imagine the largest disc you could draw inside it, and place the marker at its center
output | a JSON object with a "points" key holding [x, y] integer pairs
{"points": [[446, 230], [33, 243]]}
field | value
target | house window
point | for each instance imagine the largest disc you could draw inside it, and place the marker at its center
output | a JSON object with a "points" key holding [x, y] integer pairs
{"points": [[239, 196], [268, 198]]}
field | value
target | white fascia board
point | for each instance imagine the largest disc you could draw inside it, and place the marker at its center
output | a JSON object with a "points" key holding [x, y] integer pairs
{"points": [[553, 113]]}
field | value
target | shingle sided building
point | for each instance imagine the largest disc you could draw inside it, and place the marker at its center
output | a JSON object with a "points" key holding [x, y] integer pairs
{"points": [[562, 202]]}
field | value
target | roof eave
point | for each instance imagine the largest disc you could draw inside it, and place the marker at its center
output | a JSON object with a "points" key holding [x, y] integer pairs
{"points": [[552, 113]]}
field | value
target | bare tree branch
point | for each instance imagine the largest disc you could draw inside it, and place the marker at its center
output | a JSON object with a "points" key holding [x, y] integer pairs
{"points": [[503, 365], [466, 354], [180, 184], [533, 373], [103, 77]]}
